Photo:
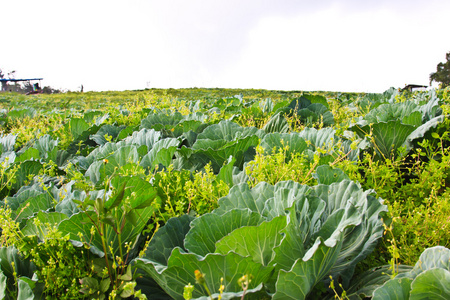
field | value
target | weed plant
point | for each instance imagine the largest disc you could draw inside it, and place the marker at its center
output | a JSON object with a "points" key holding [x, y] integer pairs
{"points": [[415, 188], [182, 192], [280, 166]]}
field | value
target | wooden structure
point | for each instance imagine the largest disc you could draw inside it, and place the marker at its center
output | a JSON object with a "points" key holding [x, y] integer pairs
{"points": [[412, 87], [36, 86]]}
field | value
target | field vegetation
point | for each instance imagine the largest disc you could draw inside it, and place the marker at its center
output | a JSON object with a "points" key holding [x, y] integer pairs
{"points": [[225, 194]]}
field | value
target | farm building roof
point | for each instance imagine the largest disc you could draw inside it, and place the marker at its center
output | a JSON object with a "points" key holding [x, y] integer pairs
{"points": [[14, 80]]}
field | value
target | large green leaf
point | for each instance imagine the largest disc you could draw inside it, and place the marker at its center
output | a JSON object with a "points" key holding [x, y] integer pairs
{"points": [[431, 108], [320, 138], [266, 105], [323, 113], [217, 152], [181, 268], [104, 151], [414, 119], [44, 218], [27, 170], [161, 153], [110, 131], [288, 198], [291, 143], [228, 131], [29, 154], [325, 174], [317, 99], [391, 112], [307, 111], [83, 144], [327, 118], [364, 284], [387, 137], [307, 116], [24, 290], [91, 116], [429, 279], [99, 170], [47, 147], [147, 137], [299, 103], [185, 126], [360, 240], [435, 257], [7, 143], [19, 113], [394, 289], [77, 126], [138, 192], [226, 172], [159, 120], [33, 205], [395, 125], [123, 156], [241, 196], [23, 195], [431, 284], [66, 204], [298, 282], [170, 236], [210, 228], [3, 285], [217, 143], [256, 242], [277, 123], [120, 157], [304, 217], [22, 267], [82, 223], [420, 131]]}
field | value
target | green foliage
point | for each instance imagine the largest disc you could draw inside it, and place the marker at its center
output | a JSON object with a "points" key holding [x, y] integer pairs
{"points": [[442, 73], [429, 279], [109, 225], [391, 128], [279, 166], [60, 265], [288, 230], [182, 192], [416, 193], [100, 177]]}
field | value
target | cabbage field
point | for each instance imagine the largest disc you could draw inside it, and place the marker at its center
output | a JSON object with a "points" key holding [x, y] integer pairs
{"points": [[225, 194]]}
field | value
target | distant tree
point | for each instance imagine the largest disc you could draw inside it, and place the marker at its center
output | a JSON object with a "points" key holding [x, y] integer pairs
{"points": [[50, 90], [11, 75], [442, 73]]}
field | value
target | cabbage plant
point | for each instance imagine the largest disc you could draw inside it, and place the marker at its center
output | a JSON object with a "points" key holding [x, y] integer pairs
{"points": [[392, 126], [288, 238], [428, 279]]}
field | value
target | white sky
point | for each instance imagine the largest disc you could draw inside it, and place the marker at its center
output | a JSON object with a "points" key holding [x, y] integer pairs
{"points": [[340, 45]]}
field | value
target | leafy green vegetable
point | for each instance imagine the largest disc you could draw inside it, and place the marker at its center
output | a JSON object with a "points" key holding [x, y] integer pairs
{"points": [[294, 229], [428, 279]]}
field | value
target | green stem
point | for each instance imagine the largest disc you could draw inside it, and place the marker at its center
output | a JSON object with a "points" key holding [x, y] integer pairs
{"points": [[105, 250], [119, 233], [207, 291]]}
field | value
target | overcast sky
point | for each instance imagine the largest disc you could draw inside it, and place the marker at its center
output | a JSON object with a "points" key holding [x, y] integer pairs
{"points": [[340, 45]]}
